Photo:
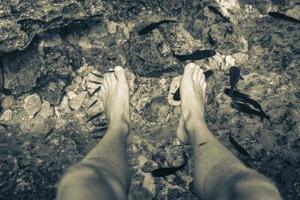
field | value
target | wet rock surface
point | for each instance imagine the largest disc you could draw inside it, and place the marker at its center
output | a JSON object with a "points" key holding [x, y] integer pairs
{"points": [[54, 53]]}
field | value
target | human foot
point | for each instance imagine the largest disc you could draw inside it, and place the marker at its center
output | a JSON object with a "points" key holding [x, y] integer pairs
{"points": [[116, 99], [192, 92]]}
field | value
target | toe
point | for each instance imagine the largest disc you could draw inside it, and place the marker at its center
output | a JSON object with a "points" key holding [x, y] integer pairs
{"points": [[120, 73], [188, 70], [195, 73], [107, 80], [112, 76]]}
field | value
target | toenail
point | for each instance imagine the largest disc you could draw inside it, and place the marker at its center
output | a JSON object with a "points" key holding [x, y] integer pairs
{"points": [[191, 65], [118, 68]]}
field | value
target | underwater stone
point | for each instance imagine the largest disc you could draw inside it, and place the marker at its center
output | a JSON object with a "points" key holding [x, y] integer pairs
{"points": [[32, 105], [18, 26]]}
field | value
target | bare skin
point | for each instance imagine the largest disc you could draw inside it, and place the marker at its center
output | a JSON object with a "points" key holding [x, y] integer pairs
{"points": [[104, 172], [218, 174]]}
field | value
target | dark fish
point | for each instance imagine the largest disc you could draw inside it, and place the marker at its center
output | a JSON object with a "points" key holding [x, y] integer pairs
{"points": [[240, 97], [208, 73], [196, 55], [110, 71], [93, 103], [234, 77], [216, 11], [161, 172], [153, 26], [97, 75], [176, 95], [96, 90], [238, 146], [96, 82], [278, 15], [211, 40], [99, 132], [95, 116], [235, 93], [242, 107]]}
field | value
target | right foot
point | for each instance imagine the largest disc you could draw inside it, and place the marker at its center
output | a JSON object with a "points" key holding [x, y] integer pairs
{"points": [[192, 92], [116, 99]]}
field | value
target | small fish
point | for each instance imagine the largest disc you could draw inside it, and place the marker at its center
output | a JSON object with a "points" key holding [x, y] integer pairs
{"points": [[240, 97], [176, 95], [96, 82], [95, 116], [97, 75], [238, 146], [93, 103], [161, 172], [242, 107], [235, 93], [211, 40], [99, 132], [196, 55], [208, 73], [96, 90], [109, 71], [216, 11], [153, 26], [234, 77], [278, 15]]}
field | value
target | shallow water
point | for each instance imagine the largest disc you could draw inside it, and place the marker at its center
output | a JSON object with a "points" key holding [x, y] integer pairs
{"points": [[47, 63]]}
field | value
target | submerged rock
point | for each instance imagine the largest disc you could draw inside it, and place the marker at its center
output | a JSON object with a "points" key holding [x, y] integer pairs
{"points": [[21, 21], [76, 102], [32, 105], [7, 115]]}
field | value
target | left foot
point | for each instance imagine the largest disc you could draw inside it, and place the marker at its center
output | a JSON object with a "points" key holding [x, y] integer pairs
{"points": [[115, 92]]}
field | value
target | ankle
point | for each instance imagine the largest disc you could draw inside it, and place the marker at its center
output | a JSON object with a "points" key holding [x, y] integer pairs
{"points": [[193, 124], [120, 125]]}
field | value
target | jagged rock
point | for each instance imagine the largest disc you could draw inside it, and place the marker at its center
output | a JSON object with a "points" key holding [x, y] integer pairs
{"points": [[7, 102], [157, 110], [44, 68], [32, 105], [21, 21], [7, 115], [76, 102], [112, 27], [46, 110], [150, 55]]}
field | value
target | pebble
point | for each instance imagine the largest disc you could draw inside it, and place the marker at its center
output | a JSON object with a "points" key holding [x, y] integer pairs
{"points": [[112, 27], [7, 102], [77, 101], [32, 105], [46, 110], [7, 115]]}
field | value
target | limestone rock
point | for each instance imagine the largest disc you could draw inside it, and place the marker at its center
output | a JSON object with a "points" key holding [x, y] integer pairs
{"points": [[19, 25], [32, 105], [112, 27], [77, 101], [7, 115], [7, 102], [46, 110]]}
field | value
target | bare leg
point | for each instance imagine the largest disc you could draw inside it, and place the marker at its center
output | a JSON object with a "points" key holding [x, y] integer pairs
{"points": [[104, 172], [218, 174]]}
